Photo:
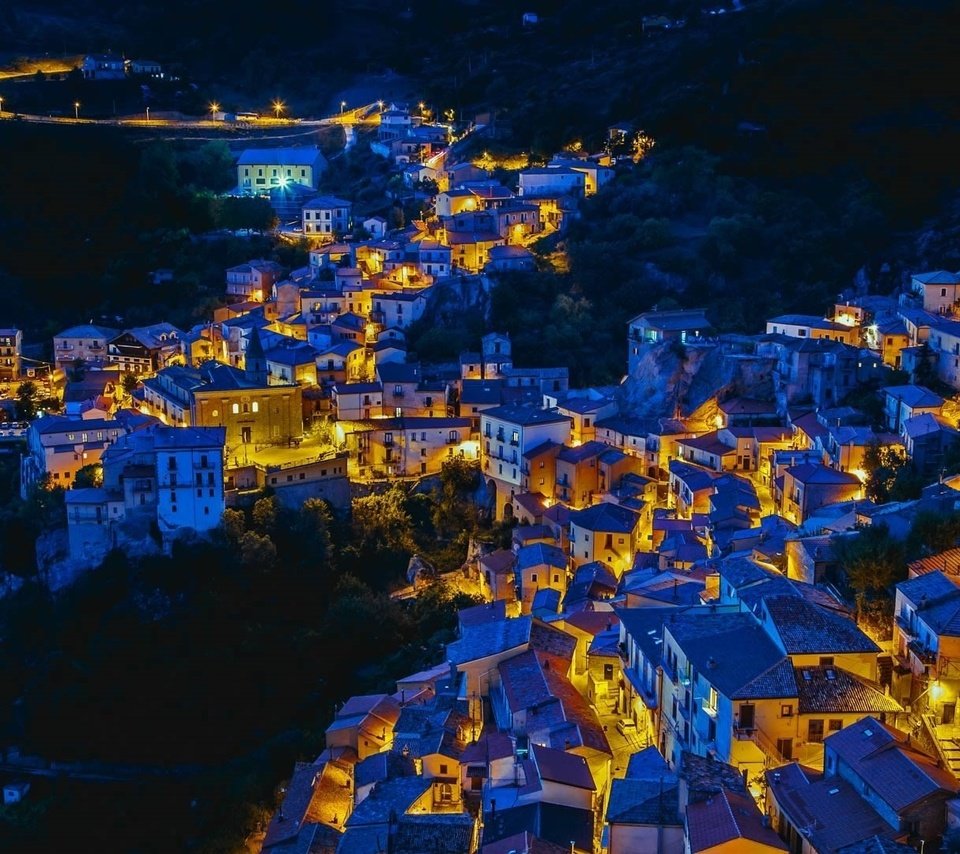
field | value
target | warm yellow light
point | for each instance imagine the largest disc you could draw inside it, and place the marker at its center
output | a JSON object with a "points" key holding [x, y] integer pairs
{"points": [[936, 690], [278, 106]]}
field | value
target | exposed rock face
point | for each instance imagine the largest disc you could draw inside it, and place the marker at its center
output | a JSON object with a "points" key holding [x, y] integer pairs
{"points": [[671, 379], [419, 572]]}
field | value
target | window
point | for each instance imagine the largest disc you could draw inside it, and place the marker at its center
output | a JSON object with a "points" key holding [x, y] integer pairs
{"points": [[533, 578], [556, 578], [443, 769], [236, 408], [256, 406], [835, 725], [815, 731], [608, 672], [826, 661], [712, 699]]}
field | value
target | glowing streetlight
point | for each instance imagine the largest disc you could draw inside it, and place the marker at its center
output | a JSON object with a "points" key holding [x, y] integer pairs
{"points": [[214, 109], [342, 105], [76, 110], [148, 114], [278, 105], [379, 104], [1, 105]]}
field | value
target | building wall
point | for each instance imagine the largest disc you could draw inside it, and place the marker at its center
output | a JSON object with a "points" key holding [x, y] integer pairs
{"points": [[633, 838], [260, 177], [540, 577], [614, 548], [503, 444], [251, 416], [67, 350], [190, 488]]}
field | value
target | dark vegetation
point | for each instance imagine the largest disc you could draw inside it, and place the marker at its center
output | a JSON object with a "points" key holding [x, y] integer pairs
{"points": [[220, 665], [871, 562]]}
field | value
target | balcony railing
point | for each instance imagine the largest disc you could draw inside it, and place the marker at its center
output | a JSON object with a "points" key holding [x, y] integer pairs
{"points": [[759, 738]]}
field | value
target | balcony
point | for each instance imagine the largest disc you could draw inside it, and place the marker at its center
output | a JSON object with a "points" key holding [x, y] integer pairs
{"points": [[922, 653], [905, 626]]}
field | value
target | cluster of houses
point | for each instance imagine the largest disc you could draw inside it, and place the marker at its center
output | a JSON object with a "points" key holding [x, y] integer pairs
{"points": [[476, 223], [663, 663], [106, 66], [729, 708]]}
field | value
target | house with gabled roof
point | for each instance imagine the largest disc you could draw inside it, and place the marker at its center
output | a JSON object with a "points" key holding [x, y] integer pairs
{"points": [[507, 433], [87, 343], [262, 169], [812, 327], [364, 725], [939, 289], [316, 804], [481, 647], [807, 487], [905, 401], [926, 641], [691, 487], [810, 633], [604, 532], [326, 216], [729, 822], [497, 575], [643, 811], [539, 566], [877, 784]]}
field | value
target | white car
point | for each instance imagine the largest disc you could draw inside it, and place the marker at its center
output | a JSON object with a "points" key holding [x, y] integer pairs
{"points": [[626, 727]]}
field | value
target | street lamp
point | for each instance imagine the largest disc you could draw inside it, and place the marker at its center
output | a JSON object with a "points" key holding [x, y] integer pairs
{"points": [[214, 109], [278, 105], [379, 104], [342, 105], [1, 105], [76, 110], [148, 114]]}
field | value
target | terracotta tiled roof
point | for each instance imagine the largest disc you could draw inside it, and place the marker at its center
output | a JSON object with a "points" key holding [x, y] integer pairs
{"points": [[727, 817], [898, 771], [832, 689]]}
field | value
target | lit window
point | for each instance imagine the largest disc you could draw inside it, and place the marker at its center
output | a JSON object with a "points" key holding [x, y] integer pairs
{"points": [[256, 406], [236, 408]]}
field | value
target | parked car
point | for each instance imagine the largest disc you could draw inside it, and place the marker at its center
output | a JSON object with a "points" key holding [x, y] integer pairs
{"points": [[626, 727]]}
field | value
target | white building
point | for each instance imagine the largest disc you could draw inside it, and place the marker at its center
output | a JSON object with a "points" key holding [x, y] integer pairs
{"points": [[506, 434], [87, 342], [61, 446], [326, 216]]}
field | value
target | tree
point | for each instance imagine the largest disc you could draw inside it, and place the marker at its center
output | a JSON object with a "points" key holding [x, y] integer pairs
{"points": [[265, 512], [871, 562], [129, 382], [89, 476], [382, 521], [312, 531], [891, 475], [26, 404], [78, 369], [932, 533], [257, 552], [233, 524]]}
